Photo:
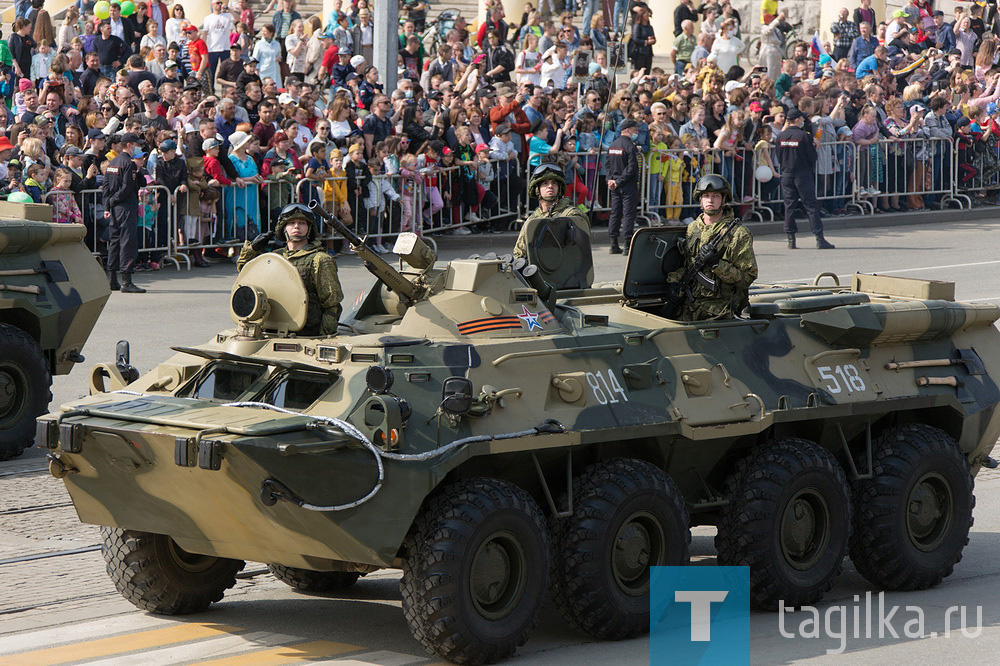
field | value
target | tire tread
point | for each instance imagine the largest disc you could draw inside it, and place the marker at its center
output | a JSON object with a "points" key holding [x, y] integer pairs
{"points": [[430, 590], [31, 354], [744, 530], [874, 549], [576, 573], [133, 562]]}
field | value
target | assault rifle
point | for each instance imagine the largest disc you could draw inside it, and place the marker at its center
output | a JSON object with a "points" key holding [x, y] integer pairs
{"points": [[708, 256]]}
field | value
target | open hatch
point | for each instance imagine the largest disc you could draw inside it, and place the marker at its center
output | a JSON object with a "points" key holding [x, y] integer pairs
{"points": [[653, 254], [560, 248]]}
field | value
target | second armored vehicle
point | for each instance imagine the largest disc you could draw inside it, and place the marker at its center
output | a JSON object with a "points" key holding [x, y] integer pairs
{"points": [[52, 291]]}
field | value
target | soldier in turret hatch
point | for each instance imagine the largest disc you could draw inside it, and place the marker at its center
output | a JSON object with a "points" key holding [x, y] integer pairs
{"points": [[548, 185], [318, 270], [730, 268]]}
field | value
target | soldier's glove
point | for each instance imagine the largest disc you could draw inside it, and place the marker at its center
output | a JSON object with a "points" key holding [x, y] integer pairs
{"points": [[260, 243], [708, 256]]}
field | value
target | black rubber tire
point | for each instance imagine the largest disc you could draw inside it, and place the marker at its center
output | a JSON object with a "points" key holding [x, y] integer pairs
{"points": [[308, 580], [145, 569], [883, 548], [487, 517], [27, 379], [609, 497], [786, 480]]}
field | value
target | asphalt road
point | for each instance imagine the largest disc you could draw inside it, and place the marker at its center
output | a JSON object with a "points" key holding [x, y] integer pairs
{"points": [[262, 618]]}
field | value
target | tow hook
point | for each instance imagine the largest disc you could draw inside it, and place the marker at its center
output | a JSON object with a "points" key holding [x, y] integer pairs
{"points": [[58, 468]]}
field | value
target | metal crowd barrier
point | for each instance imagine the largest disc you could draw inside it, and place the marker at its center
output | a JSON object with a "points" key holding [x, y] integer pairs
{"points": [[155, 229], [669, 176], [920, 170], [977, 170], [911, 170], [239, 215], [589, 185]]}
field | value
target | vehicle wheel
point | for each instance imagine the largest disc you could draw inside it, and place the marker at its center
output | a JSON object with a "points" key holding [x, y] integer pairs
{"points": [[156, 575], [627, 516], [308, 580], [788, 519], [912, 520], [475, 571], [24, 390]]}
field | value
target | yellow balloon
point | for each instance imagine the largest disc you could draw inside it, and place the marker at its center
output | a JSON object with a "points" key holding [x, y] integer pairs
{"points": [[102, 10]]}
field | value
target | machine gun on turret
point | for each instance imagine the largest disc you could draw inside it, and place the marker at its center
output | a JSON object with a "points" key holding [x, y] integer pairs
{"points": [[416, 255]]}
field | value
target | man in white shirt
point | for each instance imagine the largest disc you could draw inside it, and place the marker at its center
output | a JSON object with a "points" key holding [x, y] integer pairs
{"points": [[123, 28], [217, 28]]}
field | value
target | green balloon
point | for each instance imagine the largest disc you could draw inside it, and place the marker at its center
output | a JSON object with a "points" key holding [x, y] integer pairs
{"points": [[20, 197], [128, 8]]}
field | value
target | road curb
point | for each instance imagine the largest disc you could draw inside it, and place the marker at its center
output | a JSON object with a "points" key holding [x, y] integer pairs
{"points": [[504, 242]]}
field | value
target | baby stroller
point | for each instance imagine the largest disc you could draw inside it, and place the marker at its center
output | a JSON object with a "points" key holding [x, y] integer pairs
{"points": [[436, 31]]}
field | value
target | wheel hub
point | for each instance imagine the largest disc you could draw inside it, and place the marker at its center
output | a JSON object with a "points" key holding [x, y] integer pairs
{"points": [[928, 511], [11, 392], [632, 550], [805, 529], [497, 576], [190, 562], [492, 573], [639, 544]]}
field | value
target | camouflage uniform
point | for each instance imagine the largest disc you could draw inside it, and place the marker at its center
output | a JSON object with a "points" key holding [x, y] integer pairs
{"points": [[562, 208], [734, 273], [318, 271]]}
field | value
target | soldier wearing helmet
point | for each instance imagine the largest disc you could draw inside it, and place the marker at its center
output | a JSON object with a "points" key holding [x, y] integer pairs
{"points": [[548, 185], [297, 229], [736, 266]]}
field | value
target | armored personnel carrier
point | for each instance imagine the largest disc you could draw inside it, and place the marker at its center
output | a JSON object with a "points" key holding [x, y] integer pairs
{"points": [[498, 429], [51, 292]]}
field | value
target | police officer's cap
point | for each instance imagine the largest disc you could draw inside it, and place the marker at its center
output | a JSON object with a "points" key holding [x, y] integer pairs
{"points": [[627, 124], [795, 114], [713, 183]]}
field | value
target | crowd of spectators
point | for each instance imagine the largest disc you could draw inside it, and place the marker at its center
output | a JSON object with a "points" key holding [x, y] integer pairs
{"points": [[246, 111]]}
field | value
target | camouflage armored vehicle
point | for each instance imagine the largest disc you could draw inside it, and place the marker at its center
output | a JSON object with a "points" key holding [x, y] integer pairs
{"points": [[51, 292], [498, 429]]}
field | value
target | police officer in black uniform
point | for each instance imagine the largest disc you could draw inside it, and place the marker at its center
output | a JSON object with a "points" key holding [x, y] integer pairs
{"points": [[623, 182], [797, 159], [122, 181]]}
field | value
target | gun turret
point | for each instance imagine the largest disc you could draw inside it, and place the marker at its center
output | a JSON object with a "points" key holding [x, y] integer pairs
{"points": [[376, 265]]}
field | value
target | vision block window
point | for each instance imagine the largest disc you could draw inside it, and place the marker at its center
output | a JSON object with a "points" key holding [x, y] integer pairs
{"points": [[226, 381], [297, 390]]}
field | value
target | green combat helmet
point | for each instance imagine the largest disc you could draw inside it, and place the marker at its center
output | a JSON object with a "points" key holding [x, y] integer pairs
{"points": [[293, 212], [52, 291], [543, 173], [714, 183]]}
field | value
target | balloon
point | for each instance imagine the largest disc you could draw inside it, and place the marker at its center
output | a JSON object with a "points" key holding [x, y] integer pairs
{"points": [[763, 173], [20, 197], [102, 10], [128, 8]]}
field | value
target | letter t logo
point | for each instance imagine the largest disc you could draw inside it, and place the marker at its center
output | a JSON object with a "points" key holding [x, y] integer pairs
{"points": [[701, 610]]}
